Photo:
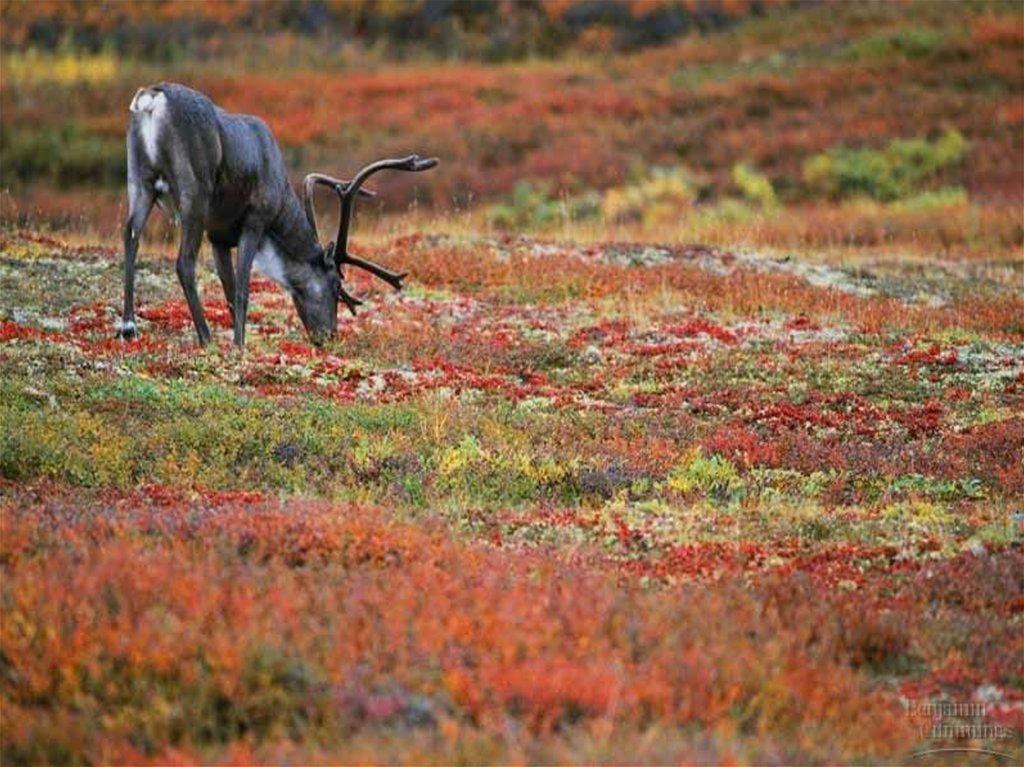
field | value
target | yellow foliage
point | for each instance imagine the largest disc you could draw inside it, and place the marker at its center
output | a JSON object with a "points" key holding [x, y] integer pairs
{"points": [[697, 472], [659, 198], [467, 452], [919, 511], [33, 68]]}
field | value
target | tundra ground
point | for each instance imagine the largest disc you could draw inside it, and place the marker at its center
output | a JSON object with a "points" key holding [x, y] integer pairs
{"points": [[556, 502], [594, 495]]}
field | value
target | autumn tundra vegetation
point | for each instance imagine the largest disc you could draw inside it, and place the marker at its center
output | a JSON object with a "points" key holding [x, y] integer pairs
{"points": [[696, 435]]}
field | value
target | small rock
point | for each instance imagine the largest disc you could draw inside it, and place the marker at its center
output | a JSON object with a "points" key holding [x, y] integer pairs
{"points": [[42, 395], [370, 387], [287, 453], [592, 355]]}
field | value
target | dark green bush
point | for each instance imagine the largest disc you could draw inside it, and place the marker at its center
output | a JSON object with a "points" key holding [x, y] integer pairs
{"points": [[61, 154]]}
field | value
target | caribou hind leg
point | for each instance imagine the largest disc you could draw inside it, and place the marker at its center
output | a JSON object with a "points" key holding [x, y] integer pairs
{"points": [[140, 204], [188, 254]]}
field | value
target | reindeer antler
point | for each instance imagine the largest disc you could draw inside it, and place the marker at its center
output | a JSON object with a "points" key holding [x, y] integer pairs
{"points": [[414, 164], [347, 192], [336, 184]]}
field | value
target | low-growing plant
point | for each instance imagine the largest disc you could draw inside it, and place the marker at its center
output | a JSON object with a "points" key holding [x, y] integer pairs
{"points": [[922, 512], [774, 484], [912, 42], [75, 446], [712, 475], [944, 199], [63, 154], [67, 68]]}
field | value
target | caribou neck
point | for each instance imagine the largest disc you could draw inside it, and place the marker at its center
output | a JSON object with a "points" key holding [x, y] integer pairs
{"points": [[293, 232]]}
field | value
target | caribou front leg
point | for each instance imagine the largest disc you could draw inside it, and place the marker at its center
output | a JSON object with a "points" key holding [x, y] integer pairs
{"points": [[188, 252], [248, 245]]}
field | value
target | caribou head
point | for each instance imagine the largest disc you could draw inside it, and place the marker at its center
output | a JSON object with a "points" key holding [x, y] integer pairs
{"points": [[317, 307]]}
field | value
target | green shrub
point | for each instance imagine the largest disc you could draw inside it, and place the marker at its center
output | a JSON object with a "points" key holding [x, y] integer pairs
{"points": [[713, 475], [532, 206], [895, 172]]}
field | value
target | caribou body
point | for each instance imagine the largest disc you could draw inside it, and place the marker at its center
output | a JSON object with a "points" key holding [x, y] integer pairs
{"points": [[222, 174]]}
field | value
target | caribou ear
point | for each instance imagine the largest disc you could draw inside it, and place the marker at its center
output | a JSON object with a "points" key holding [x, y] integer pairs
{"points": [[329, 254]]}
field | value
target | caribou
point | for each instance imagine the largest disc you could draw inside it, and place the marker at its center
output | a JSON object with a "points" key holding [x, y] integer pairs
{"points": [[222, 174]]}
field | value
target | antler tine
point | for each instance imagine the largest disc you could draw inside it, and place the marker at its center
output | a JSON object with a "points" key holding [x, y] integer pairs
{"points": [[338, 185], [307, 201], [414, 164], [350, 301]]}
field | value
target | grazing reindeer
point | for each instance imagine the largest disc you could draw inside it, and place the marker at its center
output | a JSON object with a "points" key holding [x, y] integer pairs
{"points": [[222, 173]]}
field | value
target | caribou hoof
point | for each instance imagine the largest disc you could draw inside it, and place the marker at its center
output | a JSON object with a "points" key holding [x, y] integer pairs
{"points": [[399, 282], [127, 331]]}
